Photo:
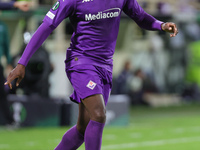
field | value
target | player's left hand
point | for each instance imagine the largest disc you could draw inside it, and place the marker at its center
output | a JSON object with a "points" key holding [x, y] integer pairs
{"points": [[171, 28], [18, 72]]}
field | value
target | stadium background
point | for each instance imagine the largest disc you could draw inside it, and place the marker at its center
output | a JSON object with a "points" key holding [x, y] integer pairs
{"points": [[164, 118]]}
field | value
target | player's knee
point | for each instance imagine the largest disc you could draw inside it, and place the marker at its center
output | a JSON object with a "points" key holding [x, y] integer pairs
{"points": [[99, 116]]}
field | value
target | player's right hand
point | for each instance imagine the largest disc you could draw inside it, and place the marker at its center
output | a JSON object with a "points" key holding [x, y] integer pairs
{"points": [[17, 73], [171, 28]]}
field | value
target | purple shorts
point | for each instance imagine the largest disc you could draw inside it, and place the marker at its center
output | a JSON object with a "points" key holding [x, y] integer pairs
{"points": [[89, 80]]}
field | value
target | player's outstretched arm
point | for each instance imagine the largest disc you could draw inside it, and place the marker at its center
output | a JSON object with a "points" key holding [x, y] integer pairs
{"points": [[36, 41], [147, 21], [171, 28]]}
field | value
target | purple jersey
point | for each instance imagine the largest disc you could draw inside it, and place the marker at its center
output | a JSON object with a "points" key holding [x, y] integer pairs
{"points": [[95, 24]]}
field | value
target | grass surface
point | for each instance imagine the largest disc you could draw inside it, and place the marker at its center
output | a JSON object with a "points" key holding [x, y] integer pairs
{"points": [[171, 128]]}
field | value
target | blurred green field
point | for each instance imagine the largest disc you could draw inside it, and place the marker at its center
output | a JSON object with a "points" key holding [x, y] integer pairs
{"points": [[169, 128]]}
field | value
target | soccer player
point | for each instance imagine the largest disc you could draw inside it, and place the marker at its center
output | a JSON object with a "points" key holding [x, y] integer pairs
{"points": [[22, 5], [89, 60]]}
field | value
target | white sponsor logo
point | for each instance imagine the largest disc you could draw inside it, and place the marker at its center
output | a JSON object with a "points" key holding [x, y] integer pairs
{"points": [[50, 15], [109, 13], [91, 85], [86, 1]]}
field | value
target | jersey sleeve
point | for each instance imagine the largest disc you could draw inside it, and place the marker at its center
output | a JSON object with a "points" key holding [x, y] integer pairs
{"points": [[144, 20], [60, 10], [36, 41], [133, 10]]}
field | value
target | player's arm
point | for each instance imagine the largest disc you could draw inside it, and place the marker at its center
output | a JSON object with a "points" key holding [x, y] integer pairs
{"points": [[146, 21], [53, 18], [150, 23], [36, 41]]}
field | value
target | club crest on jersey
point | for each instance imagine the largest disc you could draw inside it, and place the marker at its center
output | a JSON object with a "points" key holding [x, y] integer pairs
{"points": [[56, 5], [91, 85], [84, 1]]}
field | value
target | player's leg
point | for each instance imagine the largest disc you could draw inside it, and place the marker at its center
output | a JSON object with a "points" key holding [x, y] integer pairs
{"points": [[74, 137], [86, 81], [95, 107], [83, 119]]}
